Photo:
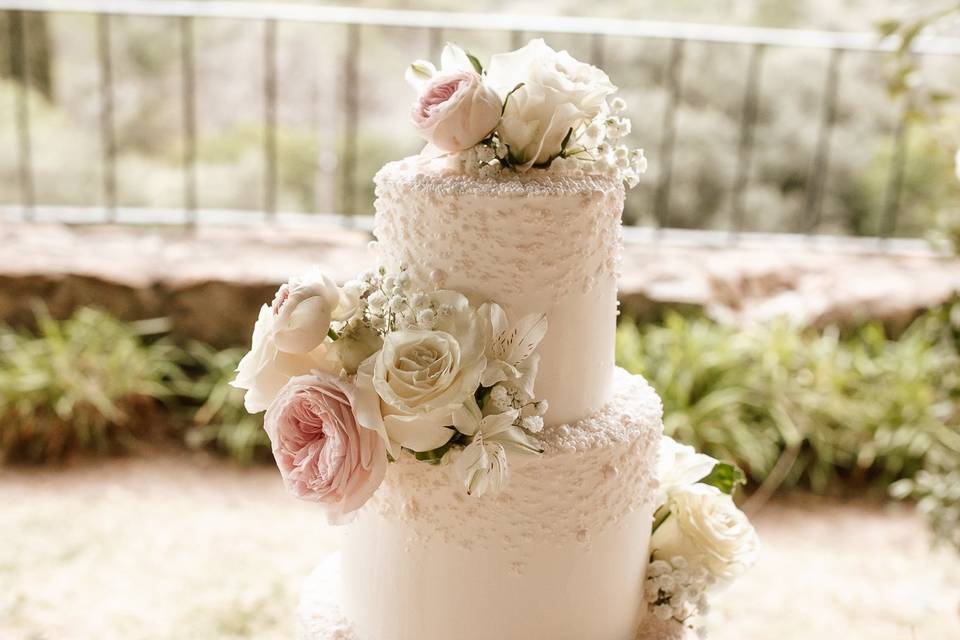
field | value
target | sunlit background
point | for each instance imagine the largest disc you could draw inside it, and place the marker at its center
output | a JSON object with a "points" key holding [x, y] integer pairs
{"points": [[790, 286]]}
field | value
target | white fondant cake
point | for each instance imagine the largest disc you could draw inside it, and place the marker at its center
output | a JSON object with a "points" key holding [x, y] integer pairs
{"points": [[561, 552], [458, 407]]}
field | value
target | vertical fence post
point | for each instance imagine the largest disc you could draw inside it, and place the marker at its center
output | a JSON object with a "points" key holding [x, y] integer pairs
{"points": [[108, 140], [435, 46], [891, 205], [350, 112], [745, 148], [821, 157], [189, 108], [270, 118], [18, 69], [598, 50], [665, 160]]}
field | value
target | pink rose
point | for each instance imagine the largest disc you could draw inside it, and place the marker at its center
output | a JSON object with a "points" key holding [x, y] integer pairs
{"points": [[323, 453], [456, 110]]}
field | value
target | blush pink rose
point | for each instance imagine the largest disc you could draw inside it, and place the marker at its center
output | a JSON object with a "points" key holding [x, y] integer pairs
{"points": [[456, 110], [323, 453]]}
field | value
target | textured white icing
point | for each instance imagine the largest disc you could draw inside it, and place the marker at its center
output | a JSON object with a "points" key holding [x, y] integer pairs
{"points": [[560, 553], [536, 242]]}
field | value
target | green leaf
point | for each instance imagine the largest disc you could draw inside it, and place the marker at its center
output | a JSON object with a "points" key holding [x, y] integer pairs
{"points": [[421, 71], [939, 97], [434, 456], [910, 34], [507, 97], [725, 477], [566, 141], [887, 28], [475, 62], [333, 335], [659, 517]]}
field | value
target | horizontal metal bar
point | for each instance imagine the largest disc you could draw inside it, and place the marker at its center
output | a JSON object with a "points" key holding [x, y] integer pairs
{"points": [[632, 235], [721, 34]]}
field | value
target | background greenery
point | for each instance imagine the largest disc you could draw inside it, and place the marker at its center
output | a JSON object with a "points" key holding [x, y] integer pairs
{"points": [[795, 408]]}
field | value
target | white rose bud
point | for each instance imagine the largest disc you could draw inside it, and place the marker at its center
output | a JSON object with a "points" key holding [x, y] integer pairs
{"points": [[456, 110], [302, 312], [352, 348], [265, 369], [706, 527]]}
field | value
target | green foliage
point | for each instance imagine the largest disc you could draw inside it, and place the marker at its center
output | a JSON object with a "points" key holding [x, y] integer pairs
{"points": [[220, 421], [930, 187], [726, 477], [89, 383], [797, 408]]}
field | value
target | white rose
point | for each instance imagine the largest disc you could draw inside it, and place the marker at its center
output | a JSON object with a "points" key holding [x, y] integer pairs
{"points": [[456, 110], [680, 465], [707, 529], [424, 376], [265, 369], [303, 308], [558, 93]]}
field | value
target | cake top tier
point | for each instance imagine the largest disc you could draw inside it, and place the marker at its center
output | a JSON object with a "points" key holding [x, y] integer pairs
{"points": [[530, 110]]}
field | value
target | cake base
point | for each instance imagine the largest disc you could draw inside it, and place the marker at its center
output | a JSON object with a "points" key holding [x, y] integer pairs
{"points": [[319, 616]]}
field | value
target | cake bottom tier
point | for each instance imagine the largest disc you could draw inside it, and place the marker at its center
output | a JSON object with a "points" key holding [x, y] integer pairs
{"points": [[319, 615], [559, 554]]}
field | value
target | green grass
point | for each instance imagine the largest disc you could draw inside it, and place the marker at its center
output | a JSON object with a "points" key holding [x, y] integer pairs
{"points": [[89, 383], [218, 420]]}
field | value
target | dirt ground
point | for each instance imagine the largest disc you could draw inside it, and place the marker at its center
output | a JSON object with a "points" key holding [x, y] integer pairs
{"points": [[190, 548]]}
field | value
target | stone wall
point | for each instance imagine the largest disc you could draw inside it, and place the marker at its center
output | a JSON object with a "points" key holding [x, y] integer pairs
{"points": [[211, 282]]}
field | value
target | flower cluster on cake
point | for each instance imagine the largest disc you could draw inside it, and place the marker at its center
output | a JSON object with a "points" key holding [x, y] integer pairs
{"points": [[531, 108], [453, 385]]}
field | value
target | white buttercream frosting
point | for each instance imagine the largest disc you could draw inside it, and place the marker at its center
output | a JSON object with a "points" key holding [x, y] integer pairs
{"points": [[539, 242], [559, 554]]}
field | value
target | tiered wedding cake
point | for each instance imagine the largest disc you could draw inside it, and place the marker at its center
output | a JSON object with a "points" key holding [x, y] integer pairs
{"points": [[459, 405]]}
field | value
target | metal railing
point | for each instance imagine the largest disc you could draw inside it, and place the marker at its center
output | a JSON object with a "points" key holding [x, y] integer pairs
{"points": [[436, 24]]}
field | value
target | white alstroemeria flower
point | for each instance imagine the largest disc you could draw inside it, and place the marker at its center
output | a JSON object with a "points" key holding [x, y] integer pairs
{"points": [[680, 465], [452, 59], [469, 420], [482, 465], [510, 356]]}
